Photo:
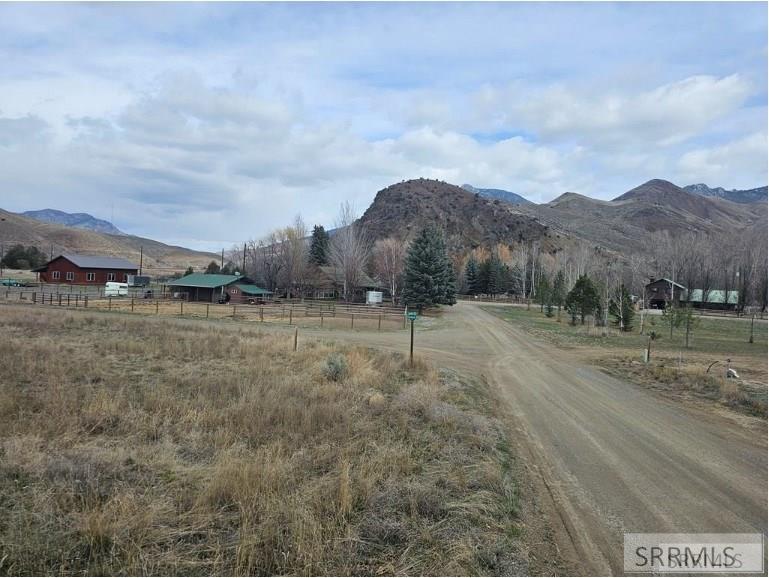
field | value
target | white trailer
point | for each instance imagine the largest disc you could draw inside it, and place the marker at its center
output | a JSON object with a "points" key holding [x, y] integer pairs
{"points": [[373, 297], [113, 289]]}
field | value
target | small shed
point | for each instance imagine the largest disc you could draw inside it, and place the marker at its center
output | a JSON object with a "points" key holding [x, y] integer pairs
{"points": [[661, 292], [248, 293]]}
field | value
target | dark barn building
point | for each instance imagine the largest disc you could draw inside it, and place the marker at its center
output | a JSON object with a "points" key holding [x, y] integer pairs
{"points": [[85, 270], [662, 291]]}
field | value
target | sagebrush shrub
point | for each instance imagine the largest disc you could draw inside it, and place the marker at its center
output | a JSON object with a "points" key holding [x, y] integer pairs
{"points": [[336, 367]]}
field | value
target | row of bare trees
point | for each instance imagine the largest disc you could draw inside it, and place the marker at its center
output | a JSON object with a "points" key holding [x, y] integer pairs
{"points": [[280, 261], [726, 263]]}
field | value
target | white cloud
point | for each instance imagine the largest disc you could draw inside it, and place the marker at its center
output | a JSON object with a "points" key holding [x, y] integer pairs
{"points": [[740, 164], [226, 120], [666, 115]]}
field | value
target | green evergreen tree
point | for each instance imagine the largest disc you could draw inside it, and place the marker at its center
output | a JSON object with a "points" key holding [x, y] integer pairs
{"points": [[319, 246], [228, 269], [189, 271], [471, 276], [494, 276], [582, 300], [483, 277], [543, 292], [429, 278], [21, 257], [622, 310], [212, 268], [558, 294]]}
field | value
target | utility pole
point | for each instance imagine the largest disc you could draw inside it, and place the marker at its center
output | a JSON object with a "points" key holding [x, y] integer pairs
{"points": [[141, 259], [752, 321], [243, 270], [222, 267]]}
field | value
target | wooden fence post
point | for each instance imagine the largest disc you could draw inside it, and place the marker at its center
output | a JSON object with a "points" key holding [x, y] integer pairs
{"points": [[261, 313], [379, 326], [290, 315], [110, 303], [296, 338], [34, 297], [181, 307], [77, 300], [132, 304], [352, 320], [85, 301], [68, 295], [157, 306], [59, 296], [321, 318], [207, 307], [233, 311]]}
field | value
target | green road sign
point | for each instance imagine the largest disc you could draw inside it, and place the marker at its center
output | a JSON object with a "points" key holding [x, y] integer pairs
{"points": [[412, 315]]}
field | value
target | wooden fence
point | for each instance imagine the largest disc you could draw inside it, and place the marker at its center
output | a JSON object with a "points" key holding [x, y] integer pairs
{"points": [[332, 315]]}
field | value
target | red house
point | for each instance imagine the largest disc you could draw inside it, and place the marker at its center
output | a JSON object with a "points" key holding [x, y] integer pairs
{"points": [[85, 270]]}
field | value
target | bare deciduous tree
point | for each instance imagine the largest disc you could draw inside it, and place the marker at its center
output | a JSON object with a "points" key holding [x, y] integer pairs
{"points": [[389, 256], [350, 249]]}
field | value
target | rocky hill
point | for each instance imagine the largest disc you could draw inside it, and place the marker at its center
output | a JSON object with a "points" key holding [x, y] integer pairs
{"points": [[467, 219], [501, 194], [757, 195], [626, 222], [76, 220], [159, 258]]}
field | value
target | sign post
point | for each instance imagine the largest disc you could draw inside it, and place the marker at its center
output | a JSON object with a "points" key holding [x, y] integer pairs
{"points": [[412, 315]]}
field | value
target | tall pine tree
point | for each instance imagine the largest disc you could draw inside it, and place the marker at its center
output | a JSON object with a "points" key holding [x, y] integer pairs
{"points": [[319, 246], [429, 276], [471, 276], [583, 300]]}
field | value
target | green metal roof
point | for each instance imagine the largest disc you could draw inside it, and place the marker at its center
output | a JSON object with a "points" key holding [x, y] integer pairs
{"points": [[713, 296], [253, 290], [206, 281]]}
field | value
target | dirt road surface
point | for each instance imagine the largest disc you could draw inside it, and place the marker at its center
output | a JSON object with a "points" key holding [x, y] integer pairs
{"points": [[608, 456]]}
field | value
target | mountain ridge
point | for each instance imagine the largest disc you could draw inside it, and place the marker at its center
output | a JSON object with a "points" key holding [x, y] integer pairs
{"points": [[501, 194], [756, 195], [158, 258], [77, 220]]}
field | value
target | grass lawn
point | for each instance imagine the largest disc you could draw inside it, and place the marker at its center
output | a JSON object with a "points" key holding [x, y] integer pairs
{"points": [[144, 446], [674, 367]]}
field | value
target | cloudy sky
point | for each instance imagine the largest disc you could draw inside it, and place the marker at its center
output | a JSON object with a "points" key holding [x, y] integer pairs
{"points": [[206, 124]]}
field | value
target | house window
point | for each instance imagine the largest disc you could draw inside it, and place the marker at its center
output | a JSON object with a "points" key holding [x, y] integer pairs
{"points": [[70, 276], [56, 275], [234, 291], [90, 276], [110, 276]]}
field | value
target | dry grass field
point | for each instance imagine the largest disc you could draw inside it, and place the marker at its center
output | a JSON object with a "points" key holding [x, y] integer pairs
{"points": [[135, 445]]}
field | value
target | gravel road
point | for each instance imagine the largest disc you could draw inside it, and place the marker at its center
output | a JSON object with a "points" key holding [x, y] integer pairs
{"points": [[609, 456]]}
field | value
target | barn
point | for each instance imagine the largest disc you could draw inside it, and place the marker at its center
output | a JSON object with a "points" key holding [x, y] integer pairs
{"points": [[211, 288], [660, 292], [77, 269]]}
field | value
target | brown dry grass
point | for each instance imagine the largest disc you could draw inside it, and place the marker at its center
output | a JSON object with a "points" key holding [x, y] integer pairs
{"points": [[146, 446]]}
